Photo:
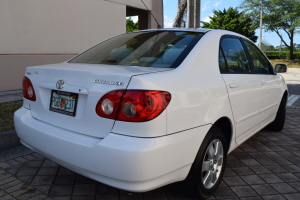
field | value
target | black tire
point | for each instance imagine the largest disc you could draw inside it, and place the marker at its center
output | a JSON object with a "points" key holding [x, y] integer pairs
{"points": [[197, 181], [278, 123]]}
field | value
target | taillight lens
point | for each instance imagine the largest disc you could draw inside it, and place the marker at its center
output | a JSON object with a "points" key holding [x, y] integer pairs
{"points": [[28, 90], [108, 105], [140, 105], [133, 105]]}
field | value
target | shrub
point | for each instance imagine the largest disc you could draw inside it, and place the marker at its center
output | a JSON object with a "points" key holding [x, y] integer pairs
{"points": [[284, 55]]}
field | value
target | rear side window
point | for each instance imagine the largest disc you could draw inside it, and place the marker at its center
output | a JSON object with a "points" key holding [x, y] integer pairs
{"points": [[234, 53], [166, 49], [260, 63], [222, 62]]}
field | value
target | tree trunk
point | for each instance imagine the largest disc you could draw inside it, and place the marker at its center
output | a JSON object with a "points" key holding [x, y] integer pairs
{"points": [[193, 12], [292, 46], [181, 14], [190, 13], [191, 8], [197, 14]]}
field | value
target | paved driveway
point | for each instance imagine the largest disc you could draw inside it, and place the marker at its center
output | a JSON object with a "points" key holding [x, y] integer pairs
{"points": [[292, 78], [267, 166]]}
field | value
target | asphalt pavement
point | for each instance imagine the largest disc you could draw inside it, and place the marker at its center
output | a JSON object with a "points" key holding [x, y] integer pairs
{"points": [[292, 79], [267, 166]]}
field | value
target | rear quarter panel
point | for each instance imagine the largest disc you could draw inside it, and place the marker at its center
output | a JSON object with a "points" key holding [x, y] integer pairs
{"points": [[199, 95]]}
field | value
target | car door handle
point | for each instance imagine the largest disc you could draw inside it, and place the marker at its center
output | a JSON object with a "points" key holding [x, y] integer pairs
{"points": [[264, 82], [233, 85]]}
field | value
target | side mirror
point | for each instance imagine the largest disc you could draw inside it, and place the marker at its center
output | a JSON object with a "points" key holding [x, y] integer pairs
{"points": [[281, 68]]}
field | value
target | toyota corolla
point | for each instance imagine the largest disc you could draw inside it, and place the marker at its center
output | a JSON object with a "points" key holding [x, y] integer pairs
{"points": [[145, 109]]}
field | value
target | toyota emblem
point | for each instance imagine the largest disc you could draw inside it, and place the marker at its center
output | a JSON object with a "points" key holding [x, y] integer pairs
{"points": [[60, 84]]}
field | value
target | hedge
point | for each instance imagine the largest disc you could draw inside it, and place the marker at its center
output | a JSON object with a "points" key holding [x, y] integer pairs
{"points": [[284, 54]]}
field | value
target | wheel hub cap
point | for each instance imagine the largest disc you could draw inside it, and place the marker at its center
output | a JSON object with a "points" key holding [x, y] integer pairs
{"points": [[212, 163]]}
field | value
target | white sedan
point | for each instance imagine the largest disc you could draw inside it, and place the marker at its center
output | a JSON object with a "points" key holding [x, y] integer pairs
{"points": [[145, 109]]}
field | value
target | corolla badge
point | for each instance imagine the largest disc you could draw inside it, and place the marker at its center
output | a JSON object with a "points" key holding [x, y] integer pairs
{"points": [[109, 82], [60, 84]]}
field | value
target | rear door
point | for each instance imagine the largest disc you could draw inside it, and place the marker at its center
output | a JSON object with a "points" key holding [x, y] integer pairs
{"points": [[271, 92], [244, 88]]}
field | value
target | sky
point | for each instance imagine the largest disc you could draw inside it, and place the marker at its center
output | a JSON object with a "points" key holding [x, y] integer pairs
{"points": [[207, 7]]}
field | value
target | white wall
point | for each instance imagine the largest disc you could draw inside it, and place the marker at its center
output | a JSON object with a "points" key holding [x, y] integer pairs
{"points": [[57, 26], [13, 67], [36, 32]]}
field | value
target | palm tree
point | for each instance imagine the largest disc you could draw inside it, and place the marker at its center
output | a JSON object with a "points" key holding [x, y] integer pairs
{"points": [[188, 9], [180, 20]]}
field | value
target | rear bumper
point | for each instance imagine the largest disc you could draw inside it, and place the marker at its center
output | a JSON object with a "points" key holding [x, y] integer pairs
{"points": [[128, 163]]}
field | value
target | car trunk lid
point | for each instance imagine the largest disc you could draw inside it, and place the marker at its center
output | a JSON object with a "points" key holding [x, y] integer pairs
{"points": [[80, 88]]}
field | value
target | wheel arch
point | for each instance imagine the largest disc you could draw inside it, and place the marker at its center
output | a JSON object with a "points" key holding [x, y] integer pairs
{"points": [[285, 95], [226, 125]]}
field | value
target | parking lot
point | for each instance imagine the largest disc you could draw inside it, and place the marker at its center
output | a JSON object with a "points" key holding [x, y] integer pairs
{"points": [[267, 166]]}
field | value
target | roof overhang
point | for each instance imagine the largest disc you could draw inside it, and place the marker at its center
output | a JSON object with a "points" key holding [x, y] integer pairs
{"points": [[134, 3]]}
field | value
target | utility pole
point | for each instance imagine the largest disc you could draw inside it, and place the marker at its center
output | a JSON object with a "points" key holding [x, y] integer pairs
{"points": [[260, 34], [280, 49], [193, 13]]}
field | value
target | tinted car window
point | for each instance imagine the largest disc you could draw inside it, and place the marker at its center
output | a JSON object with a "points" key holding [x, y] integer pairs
{"points": [[222, 62], [147, 49], [260, 63], [237, 61]]}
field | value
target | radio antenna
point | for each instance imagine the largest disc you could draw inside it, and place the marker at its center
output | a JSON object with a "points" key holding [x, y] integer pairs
{"points": [[158, 26]]}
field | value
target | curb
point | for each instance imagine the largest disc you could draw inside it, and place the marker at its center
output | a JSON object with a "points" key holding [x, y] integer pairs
{"points": [[11, 92], [9, 139]]}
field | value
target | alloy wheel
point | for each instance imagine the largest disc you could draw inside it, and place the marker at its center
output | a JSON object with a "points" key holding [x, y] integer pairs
{"points": [[212, 163]]}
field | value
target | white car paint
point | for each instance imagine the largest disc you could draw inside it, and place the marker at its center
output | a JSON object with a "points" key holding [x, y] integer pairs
{"points": [[144, 156]]}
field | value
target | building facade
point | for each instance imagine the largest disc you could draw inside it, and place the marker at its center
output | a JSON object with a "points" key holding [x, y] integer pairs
{"points": [[34, 32]]}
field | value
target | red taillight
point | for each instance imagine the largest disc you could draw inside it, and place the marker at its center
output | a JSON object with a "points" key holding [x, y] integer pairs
{"points": [[108, 105], [140, 105], [28, 90], [133, 105]]}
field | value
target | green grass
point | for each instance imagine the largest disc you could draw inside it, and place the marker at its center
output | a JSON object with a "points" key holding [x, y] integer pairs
{"points": [[290, 63], [7, 110]]}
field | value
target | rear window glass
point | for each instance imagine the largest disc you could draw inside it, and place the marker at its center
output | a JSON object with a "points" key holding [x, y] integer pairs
{"points": [[237, 61], [166, 49]]}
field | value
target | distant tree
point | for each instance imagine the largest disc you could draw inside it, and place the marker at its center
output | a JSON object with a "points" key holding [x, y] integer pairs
{"points": [[297, 47], [278, 16], [131, 26], [232, 20], [283, 48], [265, 46]]}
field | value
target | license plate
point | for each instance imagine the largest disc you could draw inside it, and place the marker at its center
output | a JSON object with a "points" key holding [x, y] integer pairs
{"points": [[63, 102]]}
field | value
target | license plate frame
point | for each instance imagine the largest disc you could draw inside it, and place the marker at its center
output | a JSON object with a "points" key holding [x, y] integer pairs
{"points": [[67, 107]]}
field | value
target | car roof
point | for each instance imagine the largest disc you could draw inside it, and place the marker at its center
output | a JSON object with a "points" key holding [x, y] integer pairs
{"points": [[201, 30]]}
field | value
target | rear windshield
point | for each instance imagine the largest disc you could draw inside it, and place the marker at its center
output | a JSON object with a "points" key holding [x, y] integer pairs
{"points": [[165, 49]]}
